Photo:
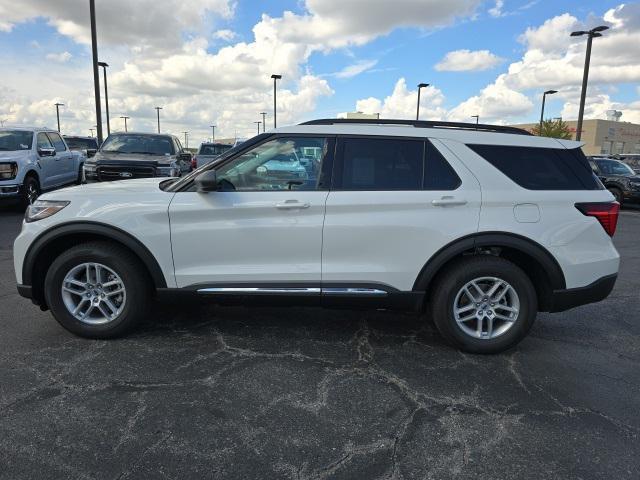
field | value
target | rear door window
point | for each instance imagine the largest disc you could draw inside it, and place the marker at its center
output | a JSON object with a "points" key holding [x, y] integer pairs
{"points": [[438, 174], [380, 164], [541, 168]]}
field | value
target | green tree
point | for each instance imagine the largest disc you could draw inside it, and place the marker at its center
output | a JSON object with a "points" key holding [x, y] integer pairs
{"points": [[554, 129]]}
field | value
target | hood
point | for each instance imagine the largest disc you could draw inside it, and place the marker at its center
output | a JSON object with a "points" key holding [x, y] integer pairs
{"points": [[107, 157], [14, 155], [135, 186]]}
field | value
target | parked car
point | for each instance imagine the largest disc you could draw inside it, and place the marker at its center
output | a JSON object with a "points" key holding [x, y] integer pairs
{"points": [[479, 226], [631, 159], [89, 145], [207, 153], [138, 155], [33, 160], [619, 178]]}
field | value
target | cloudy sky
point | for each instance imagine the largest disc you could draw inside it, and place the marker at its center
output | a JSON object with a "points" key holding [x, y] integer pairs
{"points": [[209, 61]]}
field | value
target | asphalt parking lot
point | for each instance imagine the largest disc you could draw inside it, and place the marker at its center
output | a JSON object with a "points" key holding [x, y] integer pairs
{"points": [[201, 391]]}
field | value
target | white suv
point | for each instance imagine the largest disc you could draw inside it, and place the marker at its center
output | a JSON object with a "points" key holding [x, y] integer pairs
{"points": [[480, 226]]}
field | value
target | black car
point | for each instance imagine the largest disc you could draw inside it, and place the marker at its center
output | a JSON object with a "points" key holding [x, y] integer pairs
{"points": [[138, 155], [619, 178], [88, 144]]}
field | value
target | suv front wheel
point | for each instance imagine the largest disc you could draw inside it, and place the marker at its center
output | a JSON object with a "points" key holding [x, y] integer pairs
{"points": [[484, 304], [97, 290]]}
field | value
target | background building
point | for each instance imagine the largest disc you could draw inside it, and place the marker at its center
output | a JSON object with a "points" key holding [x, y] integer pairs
{"points": [[604, 136]]}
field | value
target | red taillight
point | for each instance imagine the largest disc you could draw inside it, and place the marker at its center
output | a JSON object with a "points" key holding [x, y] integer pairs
{"points": [[606, 213], [194, 162]]}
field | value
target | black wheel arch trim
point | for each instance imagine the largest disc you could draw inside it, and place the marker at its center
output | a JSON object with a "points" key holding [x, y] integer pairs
{"points": [[95, 228], [495, 239]]}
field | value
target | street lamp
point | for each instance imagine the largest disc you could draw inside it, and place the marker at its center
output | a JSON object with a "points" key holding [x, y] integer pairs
{"points": [[477, 117], [104, 66], [258, 123], [125, 122], [158, 111], [186, 139], [591, 34], [58, 105], [420, 87], [91, 130], [275, 79], [96, 76], [213, 133], [264, 120], [544, 97]]}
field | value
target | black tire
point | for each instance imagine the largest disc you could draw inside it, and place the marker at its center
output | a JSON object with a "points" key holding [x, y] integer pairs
{"points": [[124, 264], [79, 179], [30, 190], [617, 193], [450, 282]]}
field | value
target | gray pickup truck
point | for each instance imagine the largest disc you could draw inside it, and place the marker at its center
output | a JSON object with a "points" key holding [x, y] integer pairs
{"points": [[33, 160]]}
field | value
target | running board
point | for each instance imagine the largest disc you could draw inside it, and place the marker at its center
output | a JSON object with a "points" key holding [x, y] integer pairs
{"points": [[292, 291]]}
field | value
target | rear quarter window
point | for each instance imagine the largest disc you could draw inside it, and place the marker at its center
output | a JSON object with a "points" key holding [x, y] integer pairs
{"points": [[541, 168]]}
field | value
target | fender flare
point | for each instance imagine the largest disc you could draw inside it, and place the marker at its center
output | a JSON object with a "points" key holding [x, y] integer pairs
{"points": [[93, 228], [493, 239]]}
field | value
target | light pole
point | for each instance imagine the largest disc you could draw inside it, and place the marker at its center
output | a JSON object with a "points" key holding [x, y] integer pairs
{"points": [[58, 105], [477, 117], [186, 139], [96, 76], [275, 79], [91, 130], [158, 111], [264, 121], [258, 123], [104, 66], [213, 133], [591, 34], [544, 98], [125, 122], [420, 87]]}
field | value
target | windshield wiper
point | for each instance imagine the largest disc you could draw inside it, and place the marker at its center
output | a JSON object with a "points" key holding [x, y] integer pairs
{"points": [[147, 153]]}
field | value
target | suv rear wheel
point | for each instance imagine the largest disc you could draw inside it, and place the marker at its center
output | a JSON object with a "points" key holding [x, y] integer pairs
{"points": [[97, 290], [484, 304]]}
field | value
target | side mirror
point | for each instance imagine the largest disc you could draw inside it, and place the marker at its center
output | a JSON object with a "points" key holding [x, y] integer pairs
{"points": [[207, 182], [47, 152], [184, 156]]}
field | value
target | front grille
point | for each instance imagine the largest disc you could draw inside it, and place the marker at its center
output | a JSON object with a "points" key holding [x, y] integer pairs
{"points": [[112, 172]]}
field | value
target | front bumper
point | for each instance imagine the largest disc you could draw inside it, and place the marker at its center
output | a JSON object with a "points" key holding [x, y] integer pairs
{"points": [[562, 300], [9, 193]]}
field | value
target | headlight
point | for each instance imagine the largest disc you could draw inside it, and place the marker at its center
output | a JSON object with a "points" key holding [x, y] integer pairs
{"points": [[634, 185], [43, 209], [169, 171], [8, 171]]}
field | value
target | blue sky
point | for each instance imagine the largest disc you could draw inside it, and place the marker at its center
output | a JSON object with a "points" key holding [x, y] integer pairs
{"points": [[49, 59]]}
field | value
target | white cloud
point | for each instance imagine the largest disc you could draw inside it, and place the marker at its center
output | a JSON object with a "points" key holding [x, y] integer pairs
{"points": [[61, 57], [496, 11], [467, 60], [402, 103], [355, 69], [225, 35]]}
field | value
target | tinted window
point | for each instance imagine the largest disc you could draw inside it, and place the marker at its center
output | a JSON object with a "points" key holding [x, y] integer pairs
{"points": [[43, 141], [276, 165], [381, 164], [58, 144], [614, 167], [143, 144], [438, 173], [11, 140], [213, 149], [81, 143], [541, 168]]}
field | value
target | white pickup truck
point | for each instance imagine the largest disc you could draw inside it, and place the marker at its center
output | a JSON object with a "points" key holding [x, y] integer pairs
{"points": [[33, 160]]}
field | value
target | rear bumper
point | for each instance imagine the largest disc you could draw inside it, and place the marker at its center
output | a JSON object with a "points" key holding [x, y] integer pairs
{"points": [[562, 300]]}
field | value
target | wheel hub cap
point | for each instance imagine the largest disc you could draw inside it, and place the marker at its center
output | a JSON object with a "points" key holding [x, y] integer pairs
{"points": [[486, 307], [93, 293]]}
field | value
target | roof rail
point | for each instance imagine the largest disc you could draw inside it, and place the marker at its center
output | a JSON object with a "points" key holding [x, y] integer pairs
{"points": [[420, 124]]}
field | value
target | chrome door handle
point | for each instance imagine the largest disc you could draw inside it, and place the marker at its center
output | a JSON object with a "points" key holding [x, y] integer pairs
{"points": [[292, 205], [447, 202]]}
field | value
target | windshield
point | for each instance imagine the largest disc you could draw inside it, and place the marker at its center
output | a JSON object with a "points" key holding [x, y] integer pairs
{"points": [[12, 140], [143, 144], [213, 149], [81, 143], [614, 167]]}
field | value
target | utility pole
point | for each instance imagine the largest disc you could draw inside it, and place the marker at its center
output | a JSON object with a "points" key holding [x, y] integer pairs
{"points": [[186, 139], [258, 126], [544, 98], [275, 80], [158, 110], [264, 120], [125, 122], [104, 66], [420, 87], [96, 76], [213, 133], [58, 105]]}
